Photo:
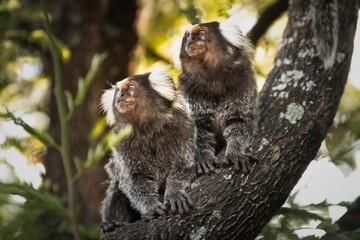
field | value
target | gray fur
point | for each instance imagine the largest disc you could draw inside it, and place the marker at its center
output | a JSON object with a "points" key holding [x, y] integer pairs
{"points": [[157, 157], [325, 25], [220, 88]]}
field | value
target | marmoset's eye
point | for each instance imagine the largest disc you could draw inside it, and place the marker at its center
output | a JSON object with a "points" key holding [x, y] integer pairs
{"points": [[201, 32], [130, 87]]}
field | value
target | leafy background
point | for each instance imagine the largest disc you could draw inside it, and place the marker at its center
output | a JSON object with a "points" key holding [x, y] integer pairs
{"points": [[29, 207]]}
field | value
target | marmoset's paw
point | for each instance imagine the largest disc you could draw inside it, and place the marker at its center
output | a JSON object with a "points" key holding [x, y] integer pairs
{"points": [[243, 162], [155, 211], [107, 227], [178, 202], [206, 166]]}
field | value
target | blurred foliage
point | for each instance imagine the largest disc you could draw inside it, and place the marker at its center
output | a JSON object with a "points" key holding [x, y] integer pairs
{"points": [[26, 210], [343, 139], [162, 21], [340, 146], [289, 220], [20, 223], [24, 92]]}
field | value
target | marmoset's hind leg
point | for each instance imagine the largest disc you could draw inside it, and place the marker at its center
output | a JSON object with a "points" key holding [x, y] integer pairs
{"points": [[116, 209]]}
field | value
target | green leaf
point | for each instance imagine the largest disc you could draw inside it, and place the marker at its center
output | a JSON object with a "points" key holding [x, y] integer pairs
{"points": [[324, 224], [329, 142], [85, 83], [299, 213], [344, 204], [96, 154], [327, 226], [287, 236], [43, 198], [40, 36], [78, 163], [70, 104], [45, 138], [97, 129], [312, 237], [333, 236], [322, 206], [121, 136], [192, 13]]}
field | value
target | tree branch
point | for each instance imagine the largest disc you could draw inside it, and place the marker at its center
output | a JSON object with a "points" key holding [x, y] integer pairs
{"points": [[297, 106], [266, 19], [64, 130]]}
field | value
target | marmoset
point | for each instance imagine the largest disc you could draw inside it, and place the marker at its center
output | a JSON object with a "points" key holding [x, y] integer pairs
{"points": [[218, 81], [158, 159]]}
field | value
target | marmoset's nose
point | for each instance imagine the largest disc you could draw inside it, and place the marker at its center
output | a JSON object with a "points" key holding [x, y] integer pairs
{"points": [[122, 95]]}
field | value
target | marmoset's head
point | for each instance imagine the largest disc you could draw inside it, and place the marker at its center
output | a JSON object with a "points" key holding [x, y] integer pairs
{"points": [[140, 96], [212, 43]]}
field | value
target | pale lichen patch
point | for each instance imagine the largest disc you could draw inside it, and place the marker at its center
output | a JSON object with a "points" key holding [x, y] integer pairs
{"points": [[228, 177], [294, 112], [216, 214], [306, 53], [198, 234], [283, 77], [295, 74], [264, 141], [291, 76], [276, 152], [287, 61], [340, 57], [295, 35], [283, 94], [288, 77], [286, 41], [279, 87], [310, 85], [303, 21]]}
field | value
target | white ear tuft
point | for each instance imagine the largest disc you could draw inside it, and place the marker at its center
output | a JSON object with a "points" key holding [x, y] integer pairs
{"points": [[232, 33], [175, 52], [176, 47], [106, 105], [179, 102], [162, 82]]}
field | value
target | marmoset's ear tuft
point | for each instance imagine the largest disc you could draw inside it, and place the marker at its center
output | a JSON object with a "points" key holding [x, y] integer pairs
{"points": [[232, 33], [162, 82], [175, 52], [107, 105]]}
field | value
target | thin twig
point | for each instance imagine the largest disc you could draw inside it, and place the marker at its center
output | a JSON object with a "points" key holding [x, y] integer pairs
{"points": [[65, 141]]}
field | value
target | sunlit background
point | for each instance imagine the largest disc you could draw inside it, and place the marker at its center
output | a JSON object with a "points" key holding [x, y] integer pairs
{"points": [[27, 95]]}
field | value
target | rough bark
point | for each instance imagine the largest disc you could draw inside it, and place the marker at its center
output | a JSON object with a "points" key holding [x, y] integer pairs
{"points": [[298, 104], [88, 27]]}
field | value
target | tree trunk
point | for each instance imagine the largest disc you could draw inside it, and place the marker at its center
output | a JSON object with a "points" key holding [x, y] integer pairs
{"points": [[88, 27], [293, 123]]}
